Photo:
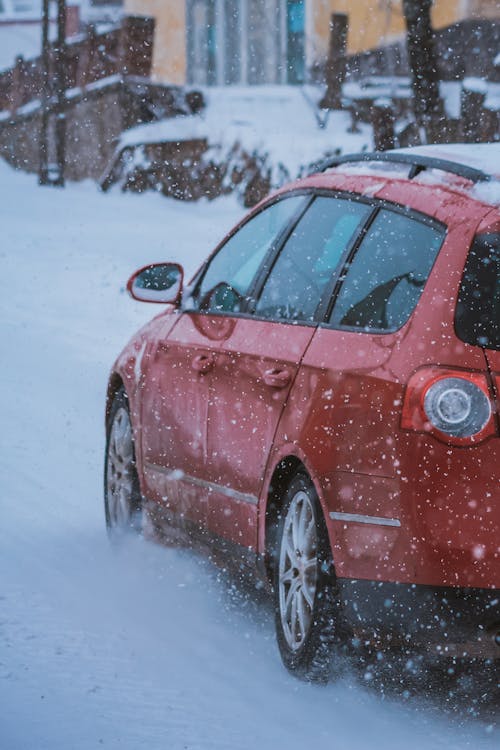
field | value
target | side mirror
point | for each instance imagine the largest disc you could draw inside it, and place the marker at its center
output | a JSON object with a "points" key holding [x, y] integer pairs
{"points": [[158, 282]]}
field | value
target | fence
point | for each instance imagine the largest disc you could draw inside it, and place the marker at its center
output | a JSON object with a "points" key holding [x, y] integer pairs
{"points": [[126, 50]]}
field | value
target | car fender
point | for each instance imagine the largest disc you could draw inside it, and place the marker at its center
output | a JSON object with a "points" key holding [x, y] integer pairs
{"points": [[288, 450], [129, 368]]}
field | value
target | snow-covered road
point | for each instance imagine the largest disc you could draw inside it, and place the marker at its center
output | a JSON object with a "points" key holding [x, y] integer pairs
{"points": [[140, 647]]}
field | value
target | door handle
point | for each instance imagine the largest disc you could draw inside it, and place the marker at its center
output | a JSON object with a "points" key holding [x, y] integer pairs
{"points": [[203, 363], [277, 378], [162, 347]]}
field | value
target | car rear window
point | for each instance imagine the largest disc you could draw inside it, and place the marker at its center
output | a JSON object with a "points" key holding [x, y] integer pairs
{"points": [[477, 316], [386, 277]]}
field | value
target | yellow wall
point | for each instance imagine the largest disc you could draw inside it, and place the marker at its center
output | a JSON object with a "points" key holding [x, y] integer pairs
{"points": [[374, 22], [371, 23], [169, 54], [485, 8]]}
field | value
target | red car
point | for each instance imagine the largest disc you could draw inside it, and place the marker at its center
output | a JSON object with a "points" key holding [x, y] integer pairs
{"points": [[320, 404]]}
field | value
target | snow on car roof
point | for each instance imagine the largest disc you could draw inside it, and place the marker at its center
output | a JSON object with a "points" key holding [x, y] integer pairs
{"points": [[483, 156]]}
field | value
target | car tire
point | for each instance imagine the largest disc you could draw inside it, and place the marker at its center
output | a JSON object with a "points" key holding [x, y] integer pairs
{"points": [[307, 604], [122, 495]]}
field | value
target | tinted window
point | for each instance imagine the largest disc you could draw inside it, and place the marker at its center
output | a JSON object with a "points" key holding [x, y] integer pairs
{"points": [[477, 317], [231, 271], [386, 276], [309, 259]]}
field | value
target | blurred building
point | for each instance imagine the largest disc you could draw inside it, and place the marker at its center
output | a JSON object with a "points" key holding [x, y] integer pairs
{"points": [[273, 41], [30, 11], [98, 11], [21, 30]]}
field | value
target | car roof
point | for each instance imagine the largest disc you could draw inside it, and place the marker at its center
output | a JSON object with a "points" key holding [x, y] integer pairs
{"points": [[471, 170], [473, 162], [482, 156]]}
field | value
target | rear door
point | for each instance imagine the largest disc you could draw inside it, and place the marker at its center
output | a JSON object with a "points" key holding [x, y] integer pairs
{"points": [[349, 389], [259, 359]]}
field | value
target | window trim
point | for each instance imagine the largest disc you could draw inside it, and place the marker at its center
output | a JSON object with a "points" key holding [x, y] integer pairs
{"points": [[323, 301], [267, 265], [332, 290], [329, 296], [335, 288]]}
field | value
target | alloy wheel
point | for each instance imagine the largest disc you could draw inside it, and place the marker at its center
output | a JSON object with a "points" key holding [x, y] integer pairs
{"points": [[120, 475], [298, 570]]}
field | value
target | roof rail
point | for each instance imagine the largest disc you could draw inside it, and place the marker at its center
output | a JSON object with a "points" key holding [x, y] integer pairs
{"points": [[417, 163]]}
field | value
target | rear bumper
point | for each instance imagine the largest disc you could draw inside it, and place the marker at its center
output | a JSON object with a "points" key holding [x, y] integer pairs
{"points": [[440, 621]]}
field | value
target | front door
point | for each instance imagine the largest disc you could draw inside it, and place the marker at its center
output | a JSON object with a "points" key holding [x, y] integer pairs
{"points": [[174, 417], [184, 364]]}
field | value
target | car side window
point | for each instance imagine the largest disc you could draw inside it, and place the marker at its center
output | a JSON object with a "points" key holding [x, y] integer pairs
{"points": [[229, 275], [385, 279], [309, 259]]}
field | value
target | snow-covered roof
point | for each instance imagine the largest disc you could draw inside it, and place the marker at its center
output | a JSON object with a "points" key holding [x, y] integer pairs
{"points": [[19, 39], [483, 156], [20, 10]]}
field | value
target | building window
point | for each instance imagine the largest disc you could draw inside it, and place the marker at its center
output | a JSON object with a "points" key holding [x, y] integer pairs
{"points": [[232, 41], [245, 41], [296, 19], [21, 8], [202, 48]]}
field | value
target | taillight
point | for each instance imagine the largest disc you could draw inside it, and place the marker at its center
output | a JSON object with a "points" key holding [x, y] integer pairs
{"points": [[451, 405]]}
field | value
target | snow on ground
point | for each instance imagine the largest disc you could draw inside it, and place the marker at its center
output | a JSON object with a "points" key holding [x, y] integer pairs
{"points": [[139, 647], [277, 121]]}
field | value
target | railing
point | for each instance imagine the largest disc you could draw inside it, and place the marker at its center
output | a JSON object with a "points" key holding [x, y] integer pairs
{"points": [[126, 50]]}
